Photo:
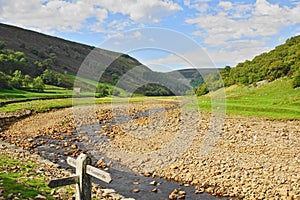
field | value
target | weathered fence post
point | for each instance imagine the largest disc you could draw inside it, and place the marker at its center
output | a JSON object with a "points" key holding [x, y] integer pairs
{"points": [[84, 187], [83, 180]]}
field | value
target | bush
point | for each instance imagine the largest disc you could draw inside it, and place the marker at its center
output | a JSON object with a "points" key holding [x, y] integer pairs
{"points": [[202, 90], [50, 77], [102, 91], [17, 79], [4, 81], [38, 84], [296, 80]]}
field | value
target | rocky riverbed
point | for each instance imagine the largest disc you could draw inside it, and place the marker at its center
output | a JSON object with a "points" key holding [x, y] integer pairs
{"points": [[249, 158]]}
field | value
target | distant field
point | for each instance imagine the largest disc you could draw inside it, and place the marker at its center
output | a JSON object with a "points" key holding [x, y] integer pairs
{"points": [[46, 105], [275, 100], [50, 91], [95, 83]]}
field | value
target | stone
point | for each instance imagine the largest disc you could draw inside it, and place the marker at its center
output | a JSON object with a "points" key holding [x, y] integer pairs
{"points": [[154, 190], [173, 196], [175, 191], [173, 166], [135, 190], [147, 174], [195, 182], [40, 197], [153, 183]]}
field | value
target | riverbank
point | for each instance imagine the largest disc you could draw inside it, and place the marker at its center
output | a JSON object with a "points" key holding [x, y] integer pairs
{"points": [[42, 170], [252, 158]]}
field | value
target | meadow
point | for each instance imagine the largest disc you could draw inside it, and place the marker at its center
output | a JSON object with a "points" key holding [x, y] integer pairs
{"points": [[275, 100]]}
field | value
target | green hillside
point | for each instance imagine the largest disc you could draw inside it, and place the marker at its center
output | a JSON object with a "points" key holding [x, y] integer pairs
{"points": [[268, 85], [274, 100], [29, 59], [283, 61]]}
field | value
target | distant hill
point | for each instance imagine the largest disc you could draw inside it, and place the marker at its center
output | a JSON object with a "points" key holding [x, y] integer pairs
{"points": [[193, 77], [283, 61], [43, 52]]}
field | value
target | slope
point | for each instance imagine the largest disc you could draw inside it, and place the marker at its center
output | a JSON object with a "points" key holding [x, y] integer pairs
{"points": [[66, 57], [274, 100]]}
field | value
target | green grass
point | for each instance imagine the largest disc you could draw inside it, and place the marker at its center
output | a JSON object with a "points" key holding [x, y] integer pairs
{"points": [[18, 177], [46, 105], [84, 80], [123, 93], [276, 100], [8, 95]]}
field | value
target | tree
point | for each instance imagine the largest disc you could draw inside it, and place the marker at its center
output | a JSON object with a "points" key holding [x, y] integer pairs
{"points": [[202, 90], [50, 77], [102, 90], [296, 80], [2, 45], [17, 79], [4, 81], [38, 84], [27, 80]]}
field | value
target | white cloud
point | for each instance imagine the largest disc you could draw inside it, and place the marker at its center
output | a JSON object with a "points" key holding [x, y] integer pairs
{"points": [[142, 10], [204, 58], [200, 5], [227, 5], [64, 15], [262, 19], [137, 34], [49, 15]]}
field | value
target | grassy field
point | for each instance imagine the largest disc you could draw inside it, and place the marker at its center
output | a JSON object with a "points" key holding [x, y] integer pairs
{"points": [[95, 83], [46, 105], [21, 178], [50, 91], [275, 100]]}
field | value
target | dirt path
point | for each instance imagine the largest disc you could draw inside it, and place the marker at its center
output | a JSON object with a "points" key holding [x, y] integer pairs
{"points": [[252, 158]]}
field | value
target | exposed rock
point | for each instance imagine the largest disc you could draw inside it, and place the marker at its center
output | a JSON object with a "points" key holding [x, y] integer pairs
{"points": [[40, 197]]}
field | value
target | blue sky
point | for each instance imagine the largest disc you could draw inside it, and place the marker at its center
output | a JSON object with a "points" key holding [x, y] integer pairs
{"points": [[164, 35]]}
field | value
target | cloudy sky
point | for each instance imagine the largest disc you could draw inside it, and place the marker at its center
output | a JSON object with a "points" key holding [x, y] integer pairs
{"points": [[164, 34]]}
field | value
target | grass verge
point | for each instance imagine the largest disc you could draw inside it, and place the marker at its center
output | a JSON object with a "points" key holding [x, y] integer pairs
{"points": [[46, 105], [21, 179]]}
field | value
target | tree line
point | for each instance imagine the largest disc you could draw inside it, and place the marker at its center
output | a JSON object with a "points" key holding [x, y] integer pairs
{"points": [[17, 71]]}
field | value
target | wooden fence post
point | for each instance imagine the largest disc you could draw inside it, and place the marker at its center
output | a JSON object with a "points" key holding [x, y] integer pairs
{"points": [[83, 180], [84, 187]]}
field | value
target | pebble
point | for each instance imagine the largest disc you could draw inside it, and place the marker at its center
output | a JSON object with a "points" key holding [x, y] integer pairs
{"points": [[153, 183], [181, 192], [135, 190], [40, 197]]}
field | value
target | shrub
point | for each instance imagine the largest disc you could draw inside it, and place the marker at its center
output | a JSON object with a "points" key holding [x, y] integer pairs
{"points": [[296, 80], [202, 90], [38, 84]]}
